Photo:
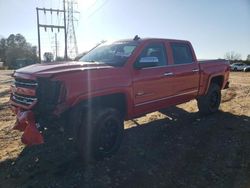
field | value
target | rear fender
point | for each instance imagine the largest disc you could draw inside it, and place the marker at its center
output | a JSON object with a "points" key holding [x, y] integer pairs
{"points": [[214, 76]]}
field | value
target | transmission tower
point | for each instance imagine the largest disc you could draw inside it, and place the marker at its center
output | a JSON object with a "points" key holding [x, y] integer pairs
{"points": [[71, 35]]}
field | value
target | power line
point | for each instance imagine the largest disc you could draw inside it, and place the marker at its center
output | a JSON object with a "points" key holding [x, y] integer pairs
{"points": [[51, 26], [99, 8]]}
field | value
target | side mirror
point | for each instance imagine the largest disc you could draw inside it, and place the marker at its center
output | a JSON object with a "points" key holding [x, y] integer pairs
{"points": [[147, 62]]}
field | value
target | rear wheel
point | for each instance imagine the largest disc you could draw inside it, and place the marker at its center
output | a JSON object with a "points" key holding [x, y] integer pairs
{"points": [[100, 134], [210, 102]]}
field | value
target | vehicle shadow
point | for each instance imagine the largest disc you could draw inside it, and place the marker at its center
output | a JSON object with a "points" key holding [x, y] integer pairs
{"points": [[182, 150]]}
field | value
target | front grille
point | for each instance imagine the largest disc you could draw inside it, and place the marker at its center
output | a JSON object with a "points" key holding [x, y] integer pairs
{"points": [[21, 98], [43, 92], [25, 83], [24, 99]]}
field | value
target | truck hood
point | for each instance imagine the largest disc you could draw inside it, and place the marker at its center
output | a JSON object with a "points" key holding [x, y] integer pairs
{"points": [[60, 67]]}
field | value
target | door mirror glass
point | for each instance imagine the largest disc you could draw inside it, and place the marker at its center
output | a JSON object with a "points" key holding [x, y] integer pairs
{"points": [[149, 60], [153, 55]]}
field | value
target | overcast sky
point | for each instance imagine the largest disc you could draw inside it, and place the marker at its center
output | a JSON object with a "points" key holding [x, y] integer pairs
{"points": [[213, 26]]}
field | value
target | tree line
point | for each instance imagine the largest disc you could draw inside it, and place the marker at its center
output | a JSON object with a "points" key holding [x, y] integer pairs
{"points": [[15, 50], [236, 57]]}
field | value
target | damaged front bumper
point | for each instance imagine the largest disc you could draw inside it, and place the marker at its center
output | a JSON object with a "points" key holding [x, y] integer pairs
{"points": [[26, 123], [34, 101]]}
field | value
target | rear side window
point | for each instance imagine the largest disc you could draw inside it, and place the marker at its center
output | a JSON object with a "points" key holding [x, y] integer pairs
{"points": [[181, 53]]}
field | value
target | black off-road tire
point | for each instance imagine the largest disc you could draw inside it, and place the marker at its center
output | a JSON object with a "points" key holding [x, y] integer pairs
{"points": [[100, 134], [247, 70], [210, 102]]}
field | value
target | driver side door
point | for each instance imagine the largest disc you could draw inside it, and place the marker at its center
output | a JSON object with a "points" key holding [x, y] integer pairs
{"points": [[152, 84]]}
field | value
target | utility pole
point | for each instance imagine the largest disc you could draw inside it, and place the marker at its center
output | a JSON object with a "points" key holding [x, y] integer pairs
{"points": [[65, 31], [56, 45], [38, 32], [45, 26]]}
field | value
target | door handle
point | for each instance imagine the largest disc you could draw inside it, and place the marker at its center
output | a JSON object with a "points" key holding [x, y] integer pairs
{"points": [[195, 70], [168, 74], [140, 93]]}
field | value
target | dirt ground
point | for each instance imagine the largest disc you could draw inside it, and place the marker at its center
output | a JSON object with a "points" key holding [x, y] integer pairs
{"points": [[172, 148]]}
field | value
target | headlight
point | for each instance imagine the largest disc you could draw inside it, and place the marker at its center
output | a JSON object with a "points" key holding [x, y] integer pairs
{"points": [[48, 91]]}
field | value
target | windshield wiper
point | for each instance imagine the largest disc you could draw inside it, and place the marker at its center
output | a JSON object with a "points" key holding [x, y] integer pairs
{"points": [[97, 62]]}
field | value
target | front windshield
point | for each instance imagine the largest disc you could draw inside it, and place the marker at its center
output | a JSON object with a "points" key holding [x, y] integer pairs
{"points": [[115, 54]]}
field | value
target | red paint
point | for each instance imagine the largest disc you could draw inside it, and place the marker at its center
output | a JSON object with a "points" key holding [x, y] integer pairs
{"points": [[145, 90], [23, 119], [15, 105], [26, 123], [31, 135]]}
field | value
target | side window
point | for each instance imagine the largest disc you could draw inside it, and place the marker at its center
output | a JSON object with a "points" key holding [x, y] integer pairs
{"points": [[181, 53], [152, 55]]}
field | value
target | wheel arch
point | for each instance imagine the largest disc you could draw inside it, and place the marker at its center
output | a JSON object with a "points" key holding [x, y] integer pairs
{"points": [[218, 79], [118, 101]]}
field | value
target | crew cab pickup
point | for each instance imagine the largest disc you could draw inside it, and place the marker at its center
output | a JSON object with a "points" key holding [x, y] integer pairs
{"points": [[114, 82]]}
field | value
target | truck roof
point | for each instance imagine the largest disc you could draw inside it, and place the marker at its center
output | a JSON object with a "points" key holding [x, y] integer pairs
{"points": [[152, 39]]}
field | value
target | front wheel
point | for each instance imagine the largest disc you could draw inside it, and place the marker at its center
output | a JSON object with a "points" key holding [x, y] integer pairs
{"points": [[210, 102], [100, 134]]}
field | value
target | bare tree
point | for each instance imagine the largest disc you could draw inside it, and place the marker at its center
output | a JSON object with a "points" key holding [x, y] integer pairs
{"points": [[232, 56], [48, 57], [248, 57]]}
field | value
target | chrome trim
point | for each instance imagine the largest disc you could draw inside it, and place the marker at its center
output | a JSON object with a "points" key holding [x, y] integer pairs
{"points": [[168, 74], [170, 65], [195, 70], [182, 64], [162, 66], [140, 93], [25, 102], [194, 91], [24, 83], [28, 98]]}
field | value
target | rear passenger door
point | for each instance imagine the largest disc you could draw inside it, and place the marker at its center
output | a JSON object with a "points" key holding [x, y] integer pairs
{"points": [[185, 70]]}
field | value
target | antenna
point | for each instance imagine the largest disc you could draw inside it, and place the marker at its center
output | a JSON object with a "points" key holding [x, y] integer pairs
{"points": [[136, 37]]}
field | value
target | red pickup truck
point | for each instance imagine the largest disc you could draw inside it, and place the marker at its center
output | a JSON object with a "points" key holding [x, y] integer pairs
{"points": [[112, 83]]}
